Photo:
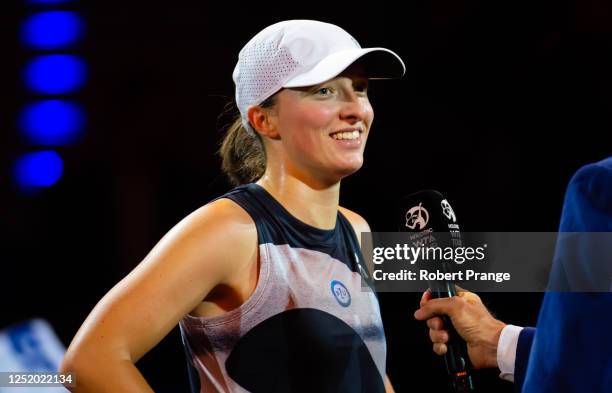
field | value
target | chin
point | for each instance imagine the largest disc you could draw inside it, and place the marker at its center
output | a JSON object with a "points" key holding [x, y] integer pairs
{"points": [[349, 169]]}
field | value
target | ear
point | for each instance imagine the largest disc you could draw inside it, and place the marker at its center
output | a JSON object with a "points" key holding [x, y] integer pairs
{"points": [[263, 120]]}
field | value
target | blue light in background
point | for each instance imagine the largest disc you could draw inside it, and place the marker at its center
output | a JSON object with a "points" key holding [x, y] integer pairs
{"points": [[52, 122], [39, 169], [52, 29], [48, 1], [55, 74]]}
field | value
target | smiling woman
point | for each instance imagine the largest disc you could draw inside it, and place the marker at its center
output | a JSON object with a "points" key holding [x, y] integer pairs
{"points": [[265, 281], [320, 130], [338, 109]]}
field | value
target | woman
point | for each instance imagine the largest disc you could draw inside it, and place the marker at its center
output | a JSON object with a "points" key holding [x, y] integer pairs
{"points": [[264, 281]]}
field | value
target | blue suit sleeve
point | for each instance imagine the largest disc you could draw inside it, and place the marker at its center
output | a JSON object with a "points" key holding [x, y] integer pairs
{"points": [[523, 350]]}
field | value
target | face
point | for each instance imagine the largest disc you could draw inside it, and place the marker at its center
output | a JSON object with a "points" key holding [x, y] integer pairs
{"points": [[323, 129]]}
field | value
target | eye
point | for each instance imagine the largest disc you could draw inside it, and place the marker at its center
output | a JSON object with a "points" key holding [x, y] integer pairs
{"points": [[323, 91]]}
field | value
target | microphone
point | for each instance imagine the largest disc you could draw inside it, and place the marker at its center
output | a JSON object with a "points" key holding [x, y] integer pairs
{"points": [[428, 215]]}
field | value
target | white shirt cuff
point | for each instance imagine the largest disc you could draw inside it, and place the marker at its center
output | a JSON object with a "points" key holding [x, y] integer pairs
{"points": [[506, 351]]}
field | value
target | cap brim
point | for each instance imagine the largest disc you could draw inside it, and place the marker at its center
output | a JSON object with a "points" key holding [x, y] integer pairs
{"points": [[380, 63]]}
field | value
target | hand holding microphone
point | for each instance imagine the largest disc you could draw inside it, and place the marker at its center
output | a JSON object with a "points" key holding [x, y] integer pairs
{"points": [[470, 319]]}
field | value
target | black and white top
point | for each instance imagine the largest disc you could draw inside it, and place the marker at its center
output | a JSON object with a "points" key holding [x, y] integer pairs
{"points": [[311, 324]]}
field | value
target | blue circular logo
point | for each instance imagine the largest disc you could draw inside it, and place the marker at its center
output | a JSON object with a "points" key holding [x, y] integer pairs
{"points": [[340, 292]]}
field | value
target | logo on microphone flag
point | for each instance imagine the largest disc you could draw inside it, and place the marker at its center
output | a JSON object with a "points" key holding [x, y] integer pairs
{"points": [[447, 210], [417, 216]]}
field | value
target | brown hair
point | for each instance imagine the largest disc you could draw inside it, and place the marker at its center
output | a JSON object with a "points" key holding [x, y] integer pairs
{"points": [[243, 157]]}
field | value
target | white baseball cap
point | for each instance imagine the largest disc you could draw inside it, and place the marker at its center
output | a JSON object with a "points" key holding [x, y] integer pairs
{"points": [[297, 53]]}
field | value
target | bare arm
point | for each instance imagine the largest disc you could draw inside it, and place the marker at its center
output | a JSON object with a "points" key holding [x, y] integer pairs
{"points": [[134, 316]]}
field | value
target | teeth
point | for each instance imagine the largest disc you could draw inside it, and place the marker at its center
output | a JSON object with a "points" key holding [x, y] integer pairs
{"points": [[346, 135]]}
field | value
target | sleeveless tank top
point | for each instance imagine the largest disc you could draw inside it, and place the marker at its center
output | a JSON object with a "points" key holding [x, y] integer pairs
{"points": [[312, 323]]}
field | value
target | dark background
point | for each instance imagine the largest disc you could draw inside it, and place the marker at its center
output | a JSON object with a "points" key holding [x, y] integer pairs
{"points": [[502, 102]]}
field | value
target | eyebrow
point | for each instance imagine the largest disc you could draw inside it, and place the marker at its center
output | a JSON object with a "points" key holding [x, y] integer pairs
{"points": [[355, 81], [358, 80]]}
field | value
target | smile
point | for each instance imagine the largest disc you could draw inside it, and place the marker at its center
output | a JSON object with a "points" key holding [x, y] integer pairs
{"points": [[345, 135]]}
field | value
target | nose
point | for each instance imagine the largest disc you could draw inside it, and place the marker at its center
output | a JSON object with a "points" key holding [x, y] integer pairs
{"points": [[355, 108]]}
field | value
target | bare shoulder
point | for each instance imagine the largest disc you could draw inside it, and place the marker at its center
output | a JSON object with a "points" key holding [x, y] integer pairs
{"points": [[223, 212], [225, 228], [359, 224]]}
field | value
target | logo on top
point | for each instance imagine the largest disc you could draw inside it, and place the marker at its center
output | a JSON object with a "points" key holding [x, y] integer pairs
{"points": [[447, 210], [417, 216], [340, 292]]}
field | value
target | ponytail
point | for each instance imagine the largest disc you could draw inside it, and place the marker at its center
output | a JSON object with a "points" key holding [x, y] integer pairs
{"points": [[243, 158]]}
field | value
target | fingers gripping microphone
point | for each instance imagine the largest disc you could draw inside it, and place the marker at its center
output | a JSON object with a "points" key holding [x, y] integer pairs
{"points": [[429, 216]]}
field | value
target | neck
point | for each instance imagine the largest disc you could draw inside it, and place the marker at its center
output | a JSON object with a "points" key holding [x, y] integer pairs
{"points": [[312, 202]]}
